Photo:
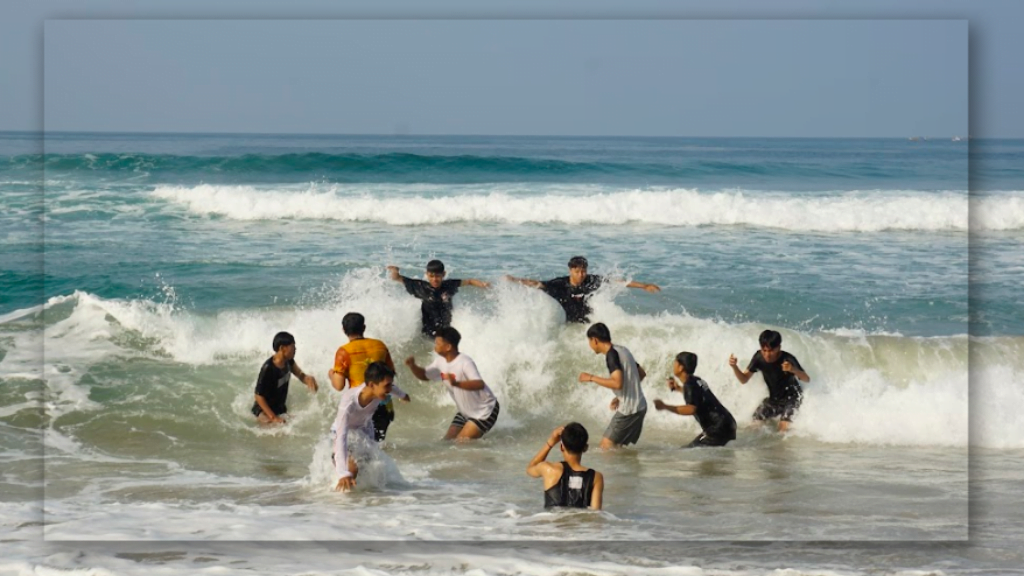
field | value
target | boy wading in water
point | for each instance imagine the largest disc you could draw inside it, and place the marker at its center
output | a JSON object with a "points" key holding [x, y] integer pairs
{"points": [[568, 483], [782, 374], [271, 392], [477, 406], [717, 425], [436, 294], [572, 292], [355, 416], [624, 379], [350, 364]]}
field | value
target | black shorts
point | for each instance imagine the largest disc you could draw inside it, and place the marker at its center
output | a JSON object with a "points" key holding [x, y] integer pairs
{"points": [[484, 425], [783, 409], [278, 410], [704, 439]]}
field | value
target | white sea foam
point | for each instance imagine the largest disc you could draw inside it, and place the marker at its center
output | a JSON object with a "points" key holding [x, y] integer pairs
{"points": [[857, 211], [997, 211], [905, 390]]}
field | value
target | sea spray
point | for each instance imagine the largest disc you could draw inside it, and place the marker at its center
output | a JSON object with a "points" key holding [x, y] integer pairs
{"points": [[912, 390]]}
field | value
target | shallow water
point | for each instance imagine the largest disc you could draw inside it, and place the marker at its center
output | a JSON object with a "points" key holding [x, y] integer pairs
{"points": [[131, 333]]}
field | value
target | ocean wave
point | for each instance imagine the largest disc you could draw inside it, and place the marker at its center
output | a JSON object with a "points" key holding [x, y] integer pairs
{"points": [[859, 211], [907, 390], [356, 166]]}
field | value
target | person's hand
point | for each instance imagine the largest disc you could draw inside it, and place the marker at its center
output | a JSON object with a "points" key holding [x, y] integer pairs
{"points": [[406, 398], [484, 284], [556, 436], [345, 484], [787, 366], [311, 383], [410, 361], [509, 277], [652, 288], [659, 405], [394, 272], [732, 360], [614, 405], [449, 379], [278, 420], [585, 377], [672, 384]]}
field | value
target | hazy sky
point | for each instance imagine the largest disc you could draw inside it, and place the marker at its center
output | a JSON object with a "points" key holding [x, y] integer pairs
{"points": [[621, 71], [554, 77]]}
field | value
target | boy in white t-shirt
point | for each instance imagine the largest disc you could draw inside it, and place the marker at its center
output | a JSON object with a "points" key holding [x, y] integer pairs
{"points": [[355, 415], [477, 406]]}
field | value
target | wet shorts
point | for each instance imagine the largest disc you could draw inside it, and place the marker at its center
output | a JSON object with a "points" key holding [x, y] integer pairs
{"points": [[278, 410], [624, 430], [783, 409], [703, 439], [484, 425]]}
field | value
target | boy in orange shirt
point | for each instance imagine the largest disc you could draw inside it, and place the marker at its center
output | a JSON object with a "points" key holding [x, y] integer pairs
{"points": [[350, 362]]}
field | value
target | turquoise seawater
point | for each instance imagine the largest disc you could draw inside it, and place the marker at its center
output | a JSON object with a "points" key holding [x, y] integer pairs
{"points": [[865, 235], [143, 277]]}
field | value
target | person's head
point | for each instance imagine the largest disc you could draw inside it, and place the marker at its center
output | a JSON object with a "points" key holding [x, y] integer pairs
{"points": [[686, 364], [598, 335], [577, 269], [285, 343], [353, 324], [574, 438], [771, 345], [446, 340], [379, 379], [435, 273]]}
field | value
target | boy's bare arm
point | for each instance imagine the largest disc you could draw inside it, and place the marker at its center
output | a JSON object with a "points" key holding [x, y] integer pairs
{"points": [[524, 281]]}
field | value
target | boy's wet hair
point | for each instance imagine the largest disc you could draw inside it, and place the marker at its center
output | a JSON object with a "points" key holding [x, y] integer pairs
{"points": [[435, 267], [599, 331], [449, 335], [353, 324], [770, 338], [688, 360], [578, 262], [377, 372], [283, 339], [574, 438]]}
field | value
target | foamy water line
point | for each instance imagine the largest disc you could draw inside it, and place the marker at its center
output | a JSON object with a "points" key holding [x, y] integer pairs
{"points": [[864, 211], [913, 388]]}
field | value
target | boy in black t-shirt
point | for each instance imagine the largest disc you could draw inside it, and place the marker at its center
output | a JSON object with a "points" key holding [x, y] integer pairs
{"points": [[718, 426], [272, 383], [573, 291], [782, 374], [436, 294]]}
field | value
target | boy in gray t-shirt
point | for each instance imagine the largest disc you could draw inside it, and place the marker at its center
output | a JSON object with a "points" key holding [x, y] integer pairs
{"points": [[624, 379]]}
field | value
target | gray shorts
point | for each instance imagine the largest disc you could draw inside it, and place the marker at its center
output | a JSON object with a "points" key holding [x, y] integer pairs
{"points": [[624, 430]]}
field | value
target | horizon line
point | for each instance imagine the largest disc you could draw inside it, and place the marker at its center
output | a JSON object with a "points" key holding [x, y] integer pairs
{"points": [[479, 135]]}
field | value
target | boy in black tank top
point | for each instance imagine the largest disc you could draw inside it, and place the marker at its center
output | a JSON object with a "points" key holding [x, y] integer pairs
{"points": [[568, 483]]}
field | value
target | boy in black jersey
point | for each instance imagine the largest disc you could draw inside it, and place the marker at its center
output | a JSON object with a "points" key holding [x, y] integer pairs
{"points": [[272, 383], [782, 373], [436, 294], [568, 483], [718, 426], [573, 291]]}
